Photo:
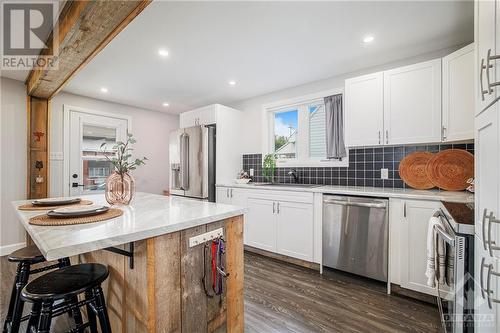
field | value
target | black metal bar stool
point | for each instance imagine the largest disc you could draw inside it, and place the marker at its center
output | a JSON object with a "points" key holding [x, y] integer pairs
{"points": [[66, 284], [26, 257]]}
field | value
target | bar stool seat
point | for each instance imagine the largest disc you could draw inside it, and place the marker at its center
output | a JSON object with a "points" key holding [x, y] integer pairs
{"points": [[30, 254], [26, 258], [64, 282]]}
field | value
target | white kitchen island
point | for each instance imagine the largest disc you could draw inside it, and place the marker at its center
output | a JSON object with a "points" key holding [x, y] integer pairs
{"points": [[162, 292]]}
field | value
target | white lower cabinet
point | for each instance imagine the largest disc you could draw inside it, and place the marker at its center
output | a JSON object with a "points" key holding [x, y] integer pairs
{"points": [[294, 224], [486, 317], [276, 221], [222, 195], [260, 224], [409, 222]]}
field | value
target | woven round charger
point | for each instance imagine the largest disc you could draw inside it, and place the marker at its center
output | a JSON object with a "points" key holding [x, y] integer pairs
{"points": [[33, 207], [413, 170], [55, 221], [450, 169]]}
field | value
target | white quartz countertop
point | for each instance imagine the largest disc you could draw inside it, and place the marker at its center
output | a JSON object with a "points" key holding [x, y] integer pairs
{"points": [[148, 215], [437, 195]]}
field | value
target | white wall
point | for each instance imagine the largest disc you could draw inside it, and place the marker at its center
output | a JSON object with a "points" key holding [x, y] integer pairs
{"points": [[150, 128], [253, 107], [13, 161]]}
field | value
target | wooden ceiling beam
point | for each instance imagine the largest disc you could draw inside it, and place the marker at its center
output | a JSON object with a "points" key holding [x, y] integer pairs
{"points": [[84, 29]]}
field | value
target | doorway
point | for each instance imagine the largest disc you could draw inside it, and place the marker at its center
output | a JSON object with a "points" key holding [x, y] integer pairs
{"points": [[90, 139]]}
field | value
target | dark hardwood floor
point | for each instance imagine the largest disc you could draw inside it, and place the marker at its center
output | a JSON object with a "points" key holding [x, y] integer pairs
{"points": [[281, 297]]}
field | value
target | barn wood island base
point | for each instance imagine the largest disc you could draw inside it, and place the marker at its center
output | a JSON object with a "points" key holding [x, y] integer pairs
{"points": [[163, 291]]}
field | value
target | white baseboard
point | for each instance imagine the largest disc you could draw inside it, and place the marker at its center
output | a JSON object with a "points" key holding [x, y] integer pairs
{"points": [[8, 249]]}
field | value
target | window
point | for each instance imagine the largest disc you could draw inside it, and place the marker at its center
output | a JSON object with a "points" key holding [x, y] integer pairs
{"points": [[285, 133], [297, 133]]}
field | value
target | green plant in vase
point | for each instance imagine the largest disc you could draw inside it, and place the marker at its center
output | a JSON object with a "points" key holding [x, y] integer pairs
{"points": [[120, 185], [269, 167]]}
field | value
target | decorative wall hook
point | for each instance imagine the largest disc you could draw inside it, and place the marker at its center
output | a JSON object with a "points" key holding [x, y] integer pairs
{"points": [[38, 135]]}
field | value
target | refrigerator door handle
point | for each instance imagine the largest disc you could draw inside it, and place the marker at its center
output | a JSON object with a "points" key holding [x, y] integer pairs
{"points": [[184, 158]]}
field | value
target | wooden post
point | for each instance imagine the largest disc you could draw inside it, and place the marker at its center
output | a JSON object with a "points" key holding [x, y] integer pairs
{"points": [[38, 147]]}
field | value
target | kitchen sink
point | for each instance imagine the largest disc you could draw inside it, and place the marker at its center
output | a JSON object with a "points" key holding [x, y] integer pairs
{"points": [[287, 185]]}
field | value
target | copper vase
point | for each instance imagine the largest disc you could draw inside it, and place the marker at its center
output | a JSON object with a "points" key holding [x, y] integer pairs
{"points": [[120, 188]]}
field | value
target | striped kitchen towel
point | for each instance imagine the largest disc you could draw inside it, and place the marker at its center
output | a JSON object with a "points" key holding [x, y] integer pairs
{"points": [[436, 255]]}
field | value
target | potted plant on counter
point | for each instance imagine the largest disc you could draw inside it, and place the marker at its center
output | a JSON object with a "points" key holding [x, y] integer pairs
{"points": [[120, 185], [269, 167]]}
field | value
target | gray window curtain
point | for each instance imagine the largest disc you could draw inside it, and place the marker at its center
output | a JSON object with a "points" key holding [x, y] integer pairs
{"points": [[335, 147]]}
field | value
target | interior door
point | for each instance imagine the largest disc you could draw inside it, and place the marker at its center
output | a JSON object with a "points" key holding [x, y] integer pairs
{"points": [[88, 165]]}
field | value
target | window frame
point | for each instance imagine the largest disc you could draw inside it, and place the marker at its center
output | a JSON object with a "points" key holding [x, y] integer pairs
{"points": [[302, 158]]}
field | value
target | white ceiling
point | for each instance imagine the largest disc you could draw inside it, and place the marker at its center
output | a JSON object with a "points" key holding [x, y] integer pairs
{"points": [[263, 46]]}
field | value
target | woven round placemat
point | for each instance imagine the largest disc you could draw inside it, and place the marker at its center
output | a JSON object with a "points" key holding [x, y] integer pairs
{"points": [[450, 169], [32, 207], [54, 221], [413, 170]]}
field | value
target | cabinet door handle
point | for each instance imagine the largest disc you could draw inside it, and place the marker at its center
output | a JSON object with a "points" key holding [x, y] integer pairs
{"points": [[443, 133], [491, 244], [278, 208], [482, 68], [404, 209], [485, 216], [387, 136], [489, 57], [488, 290], [227, 193], [274, 207], [379, 138], [481, 274], [231, 193]]}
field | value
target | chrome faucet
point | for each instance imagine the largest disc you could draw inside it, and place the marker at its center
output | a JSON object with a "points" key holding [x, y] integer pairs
{"points": [[293, 173]]}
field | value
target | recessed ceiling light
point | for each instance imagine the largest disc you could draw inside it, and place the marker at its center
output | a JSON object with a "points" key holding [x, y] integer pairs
{"points": [[368, 39], [104, 90], [165, 104], [163, 52], [232, 83]]}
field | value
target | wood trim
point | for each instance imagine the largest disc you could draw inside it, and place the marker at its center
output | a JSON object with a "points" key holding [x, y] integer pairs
{"points": [[235, 267], [83, 29], [281, 257], [38, 146], [151, 279]]}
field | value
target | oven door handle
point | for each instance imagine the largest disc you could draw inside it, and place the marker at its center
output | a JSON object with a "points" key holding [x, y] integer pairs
{"points": [[446, 237]]}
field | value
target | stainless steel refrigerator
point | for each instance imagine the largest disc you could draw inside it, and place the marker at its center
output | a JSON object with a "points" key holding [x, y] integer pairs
{"points": [[192, 162]]}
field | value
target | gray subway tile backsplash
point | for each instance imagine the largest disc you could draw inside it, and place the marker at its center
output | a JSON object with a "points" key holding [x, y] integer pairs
{"points": [[364, 167]]}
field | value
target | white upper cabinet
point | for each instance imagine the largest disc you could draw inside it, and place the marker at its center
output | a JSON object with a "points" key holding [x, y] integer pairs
{"points": [[364, 110], [203, 116], [485, 27], [412, 103], [458, 95]]}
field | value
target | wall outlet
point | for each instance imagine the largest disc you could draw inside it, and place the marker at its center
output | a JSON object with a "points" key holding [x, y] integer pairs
{"points": [[384, 173], [251, 172]]}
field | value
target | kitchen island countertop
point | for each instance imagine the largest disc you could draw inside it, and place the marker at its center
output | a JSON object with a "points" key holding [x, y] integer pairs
{"points": [[149, 215]]}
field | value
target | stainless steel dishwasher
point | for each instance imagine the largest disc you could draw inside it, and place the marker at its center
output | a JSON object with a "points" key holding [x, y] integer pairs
{"points": [[355, 235]]}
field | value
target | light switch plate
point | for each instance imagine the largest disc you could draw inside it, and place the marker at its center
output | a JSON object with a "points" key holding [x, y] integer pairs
{"points": [[251, 172], [384, 173]]}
